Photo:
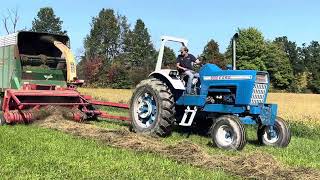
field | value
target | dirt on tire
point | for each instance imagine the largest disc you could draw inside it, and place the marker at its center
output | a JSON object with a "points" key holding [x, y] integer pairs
{"points": [[257, 165]]}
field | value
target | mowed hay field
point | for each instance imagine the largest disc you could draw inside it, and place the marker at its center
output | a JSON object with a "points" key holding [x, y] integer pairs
{"points": [[113, 95], [55, 148], [304, 108], [297, 107], [301, 111]]}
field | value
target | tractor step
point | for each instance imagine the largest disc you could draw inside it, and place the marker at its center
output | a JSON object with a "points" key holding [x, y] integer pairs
{"points": [[188, 121]]}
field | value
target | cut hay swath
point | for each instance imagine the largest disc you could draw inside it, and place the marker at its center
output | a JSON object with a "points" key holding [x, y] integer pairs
{"points": [[250, 165]]}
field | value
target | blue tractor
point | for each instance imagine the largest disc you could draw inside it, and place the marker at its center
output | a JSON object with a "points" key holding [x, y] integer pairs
{"points": [[225, 100]]}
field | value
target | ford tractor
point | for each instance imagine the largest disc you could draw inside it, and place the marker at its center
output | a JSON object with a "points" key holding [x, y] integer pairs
{"points": [[226, 100]]}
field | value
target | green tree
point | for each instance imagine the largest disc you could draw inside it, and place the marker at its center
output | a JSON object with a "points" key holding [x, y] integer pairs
{"points": [[211, 54], [299, 82], [124, 31], [278, 65], [311, 55], [139, 52], [139, 46], [291, 50], [47, 21], [103, 39], [105, 57], [169, 58], [251, 48]]}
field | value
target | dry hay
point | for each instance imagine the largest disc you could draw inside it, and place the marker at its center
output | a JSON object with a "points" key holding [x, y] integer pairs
{"points": [[256, 165]]}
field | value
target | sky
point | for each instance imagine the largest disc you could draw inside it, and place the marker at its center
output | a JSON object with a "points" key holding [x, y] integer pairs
{"points": [[197, 21]]}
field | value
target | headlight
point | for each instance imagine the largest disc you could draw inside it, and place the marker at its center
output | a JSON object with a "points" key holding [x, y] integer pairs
{"points": [[262, 78], [173, 73]]}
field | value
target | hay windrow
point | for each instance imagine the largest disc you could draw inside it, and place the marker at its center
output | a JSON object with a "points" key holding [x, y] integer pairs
{"points": [[256, 165]]}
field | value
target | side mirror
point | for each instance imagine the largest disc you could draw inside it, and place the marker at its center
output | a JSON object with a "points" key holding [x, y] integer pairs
{"points": [[229, 67]]}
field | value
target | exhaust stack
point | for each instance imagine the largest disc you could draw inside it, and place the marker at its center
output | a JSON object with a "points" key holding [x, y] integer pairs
{"points": [[234, 53]]}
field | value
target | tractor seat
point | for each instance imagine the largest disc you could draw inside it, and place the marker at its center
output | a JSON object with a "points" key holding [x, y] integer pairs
{"points": [[183, 77], [195, 82]]}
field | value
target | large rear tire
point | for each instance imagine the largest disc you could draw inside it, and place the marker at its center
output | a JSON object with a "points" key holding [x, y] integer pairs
{"points": [[227, 132], [152, 108], [281, 136]]}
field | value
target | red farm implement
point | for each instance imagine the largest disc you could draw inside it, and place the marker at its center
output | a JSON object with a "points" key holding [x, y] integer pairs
{"points": [[38, 72], [25, 105]]}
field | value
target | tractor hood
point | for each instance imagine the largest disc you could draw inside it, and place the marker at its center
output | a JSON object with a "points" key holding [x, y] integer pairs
{"points": [[251, 86]]}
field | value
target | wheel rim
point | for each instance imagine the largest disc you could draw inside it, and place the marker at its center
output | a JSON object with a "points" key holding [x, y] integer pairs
{"points": [[271, 135], [225, 135], [145, 110]]}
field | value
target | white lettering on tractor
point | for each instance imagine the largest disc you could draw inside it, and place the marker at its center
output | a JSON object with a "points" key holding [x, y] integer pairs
{"points": [[228, 77]]}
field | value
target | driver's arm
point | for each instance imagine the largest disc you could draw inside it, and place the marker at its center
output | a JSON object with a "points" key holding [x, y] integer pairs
{"points": [[195, 60], [180, 67], [198, 61]]}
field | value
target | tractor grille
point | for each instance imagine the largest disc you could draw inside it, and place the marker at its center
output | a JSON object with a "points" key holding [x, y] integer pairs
{"points": [[258, 94]]}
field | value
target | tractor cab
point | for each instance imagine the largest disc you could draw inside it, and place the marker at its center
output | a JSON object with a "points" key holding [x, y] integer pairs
{"points": [[176, 79]]}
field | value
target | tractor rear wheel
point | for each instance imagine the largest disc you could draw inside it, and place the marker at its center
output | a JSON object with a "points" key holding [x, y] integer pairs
{"points": [[279, 135], [152, 108], [227, 132]]}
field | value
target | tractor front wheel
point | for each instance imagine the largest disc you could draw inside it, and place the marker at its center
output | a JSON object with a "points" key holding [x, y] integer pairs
{"points": [[278, 135], [227, 132], [152, 108]]}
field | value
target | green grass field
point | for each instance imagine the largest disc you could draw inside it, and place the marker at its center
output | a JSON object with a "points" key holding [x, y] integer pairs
{"points": [[31, 152]]}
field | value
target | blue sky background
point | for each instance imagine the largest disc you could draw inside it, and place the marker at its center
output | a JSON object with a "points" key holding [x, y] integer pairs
{"points": [[197, 21]]}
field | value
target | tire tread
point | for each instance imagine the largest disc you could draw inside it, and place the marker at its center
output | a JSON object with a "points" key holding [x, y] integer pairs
{"points": [[167, 110]]}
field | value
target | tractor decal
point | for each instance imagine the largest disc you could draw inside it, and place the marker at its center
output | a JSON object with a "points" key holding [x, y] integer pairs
{"points": [[228, 77]]}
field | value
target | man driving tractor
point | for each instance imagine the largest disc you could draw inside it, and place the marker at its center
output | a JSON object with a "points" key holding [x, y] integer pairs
{"points": [[185, 63]]}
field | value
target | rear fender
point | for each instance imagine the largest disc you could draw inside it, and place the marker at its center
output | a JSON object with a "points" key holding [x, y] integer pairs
{"points": [[174, 81]]}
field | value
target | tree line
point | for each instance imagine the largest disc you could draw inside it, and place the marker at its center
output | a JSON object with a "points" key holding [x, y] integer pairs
{"points": [[117, 55]]}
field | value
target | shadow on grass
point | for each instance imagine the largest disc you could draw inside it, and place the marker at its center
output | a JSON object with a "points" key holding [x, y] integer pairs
{"points": [[254, 142]]}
